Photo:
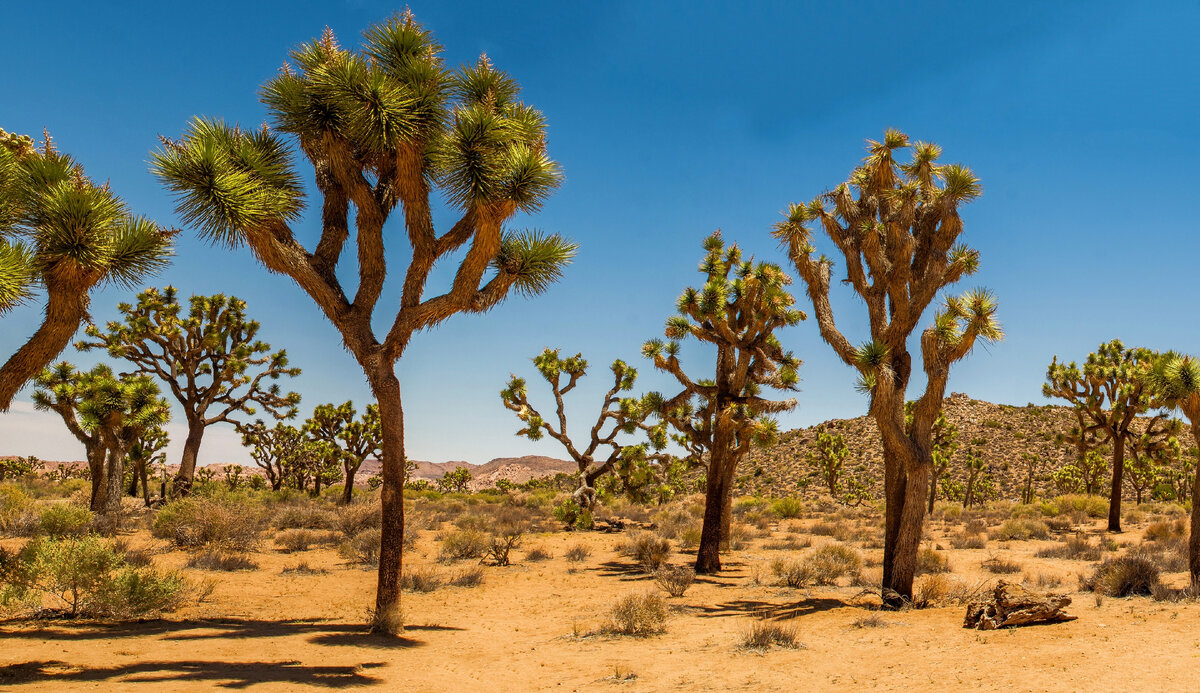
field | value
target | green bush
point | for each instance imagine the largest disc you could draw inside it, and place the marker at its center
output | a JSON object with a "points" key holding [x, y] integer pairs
{"points": [[64, 520], [230, 522], [305, 516], [357, 517], [1093, 506], [930, 560], [832, 561], [1022, 529], [569, 513], [464, 543], [85, 576], [650, 551], [788, 508], [14, 506]]}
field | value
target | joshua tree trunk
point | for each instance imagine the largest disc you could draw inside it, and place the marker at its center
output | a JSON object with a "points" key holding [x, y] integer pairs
{"points": [[348, 488], [1194, 535], [708, 556], [66, 307], [99, 487], [144, 475], [187, 465], [1114, 501], [114, 482], [909, 520], [386, 388]]}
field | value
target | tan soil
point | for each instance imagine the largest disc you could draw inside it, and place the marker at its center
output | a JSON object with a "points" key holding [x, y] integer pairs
{"points": [[520, 631]]}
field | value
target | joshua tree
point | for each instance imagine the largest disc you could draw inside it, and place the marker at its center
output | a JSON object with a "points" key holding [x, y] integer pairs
{"points": [[737, 310], [149, 450], [897, 227], [1112, 377], [975, 468], [353, 441], [268, 449], [1150, 454], [62, 233], [1031, 461], [1083, 475], [625, 414], [209, 359], [945, 444], [828, 457], [107, 414], [456, 480], [1175, 379], [385, 127]]}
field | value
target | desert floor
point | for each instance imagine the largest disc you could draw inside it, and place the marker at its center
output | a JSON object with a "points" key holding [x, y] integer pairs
{"points": [[528, 628]]}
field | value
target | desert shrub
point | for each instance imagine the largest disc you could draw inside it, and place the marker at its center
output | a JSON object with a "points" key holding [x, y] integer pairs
{"points": [[1092, 506], [85, 576], [930, 560], [501, 546], [14, 506], [570, 514], [763, 635], [291, 540], [1122, 576], [976, 526], [950, 512], [787, 508], [138, 558], [966, 540], [357, 517], [1075, 548], [638, 613], [459, 544], [221, 560], [871, 621], [932, 590], [1022, 529], [794, 574], [689, 538], [739, 537], [471, 577], [791, 542], [1041, 580], [649, 551], [758, 520], [538, 554], [64, 520], [304, 516], [473, 522], [1048, 508], [675, 579], [823, 529], [832, 561], [1134, 516], [1170, 555], [303, 568], [671, 521], [1061, 523], [578, 553], [420, 580], [1023, 510], [1000, 566], [362, 548], [1165, 530], [230, 522]]}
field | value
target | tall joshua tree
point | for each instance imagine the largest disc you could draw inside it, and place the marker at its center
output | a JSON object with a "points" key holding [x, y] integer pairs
{"points": [[210, 359], [603, 454], [897, 227], [60, 389], [737, 310], [148, 451], [1111, 390], [351, 440], [385, 127], [62, 234], [1175, 380]]}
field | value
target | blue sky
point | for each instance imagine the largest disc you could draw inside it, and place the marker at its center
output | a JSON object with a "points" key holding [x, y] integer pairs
{"points": [[671, 120]]}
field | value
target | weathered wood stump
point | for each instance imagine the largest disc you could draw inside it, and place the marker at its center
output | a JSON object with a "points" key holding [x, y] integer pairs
{"points": [[1013, 605]]}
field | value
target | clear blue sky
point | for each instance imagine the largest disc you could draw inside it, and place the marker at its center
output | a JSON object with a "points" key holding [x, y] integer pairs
{"points": [[671, 120]]}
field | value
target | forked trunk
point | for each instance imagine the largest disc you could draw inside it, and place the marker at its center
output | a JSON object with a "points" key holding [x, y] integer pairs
{"points": [[1114, 500], [386, 388], [187, 465]]}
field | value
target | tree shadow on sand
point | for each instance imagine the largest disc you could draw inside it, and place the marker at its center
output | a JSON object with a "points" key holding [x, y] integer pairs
{"points": [[219, 674], [770, 610]]}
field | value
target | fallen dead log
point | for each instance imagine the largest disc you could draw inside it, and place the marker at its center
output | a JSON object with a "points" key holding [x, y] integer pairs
{"points": [[1014, 605]]}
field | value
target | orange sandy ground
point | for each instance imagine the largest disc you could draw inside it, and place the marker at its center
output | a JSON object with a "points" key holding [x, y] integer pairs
{"points": [[525, 629]]}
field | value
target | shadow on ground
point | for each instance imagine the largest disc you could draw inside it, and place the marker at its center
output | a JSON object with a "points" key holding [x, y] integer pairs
{"points": [[219, 674], [770, 610]]}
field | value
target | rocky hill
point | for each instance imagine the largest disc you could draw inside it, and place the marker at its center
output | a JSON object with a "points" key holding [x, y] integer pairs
{"points": [[1000, 432], [516, 469]]}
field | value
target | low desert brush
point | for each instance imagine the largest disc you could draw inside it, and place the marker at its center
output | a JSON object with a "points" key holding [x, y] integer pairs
{"points": [[233, 523], [291, 540], [461, 544], [763, 635], [221, 560], [578, 553], [420, 580], [638, 613], [1075, 548], [362, 548], [1022, 529], [649, 551], [930, 560], [675, 579], [1000, 565], [471, 577], [1123, 576]]}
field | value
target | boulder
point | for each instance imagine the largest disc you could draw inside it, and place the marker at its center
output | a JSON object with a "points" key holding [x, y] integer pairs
{"points": [[1014, 605]]}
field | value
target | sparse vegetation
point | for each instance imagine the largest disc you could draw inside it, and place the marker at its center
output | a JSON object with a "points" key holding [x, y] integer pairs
{"points": [[637, 613], [763, 635]]}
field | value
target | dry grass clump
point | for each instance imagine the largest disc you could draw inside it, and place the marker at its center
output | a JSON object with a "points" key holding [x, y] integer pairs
{"points": [[675, 579], [791, 542], [787, 508], [930, 560], [1022, 529], [1165, 530], [221, 560], [1123, 576], [362, 548], [939, 590], [138, 558], [689, 538], [823, 529], [1090, 506], [471, 577], [649, 551], [537, 554], [303, 516], [232, 523], [1041, 580], [637, 613], [872, 621], [291, 540], [673, 521], [303, 568], [577, 553], [420, 580], [460, 544], [763, 635], [967, 540], [821, 567], [358, 517], [1000, 566], [1074, 548]]}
